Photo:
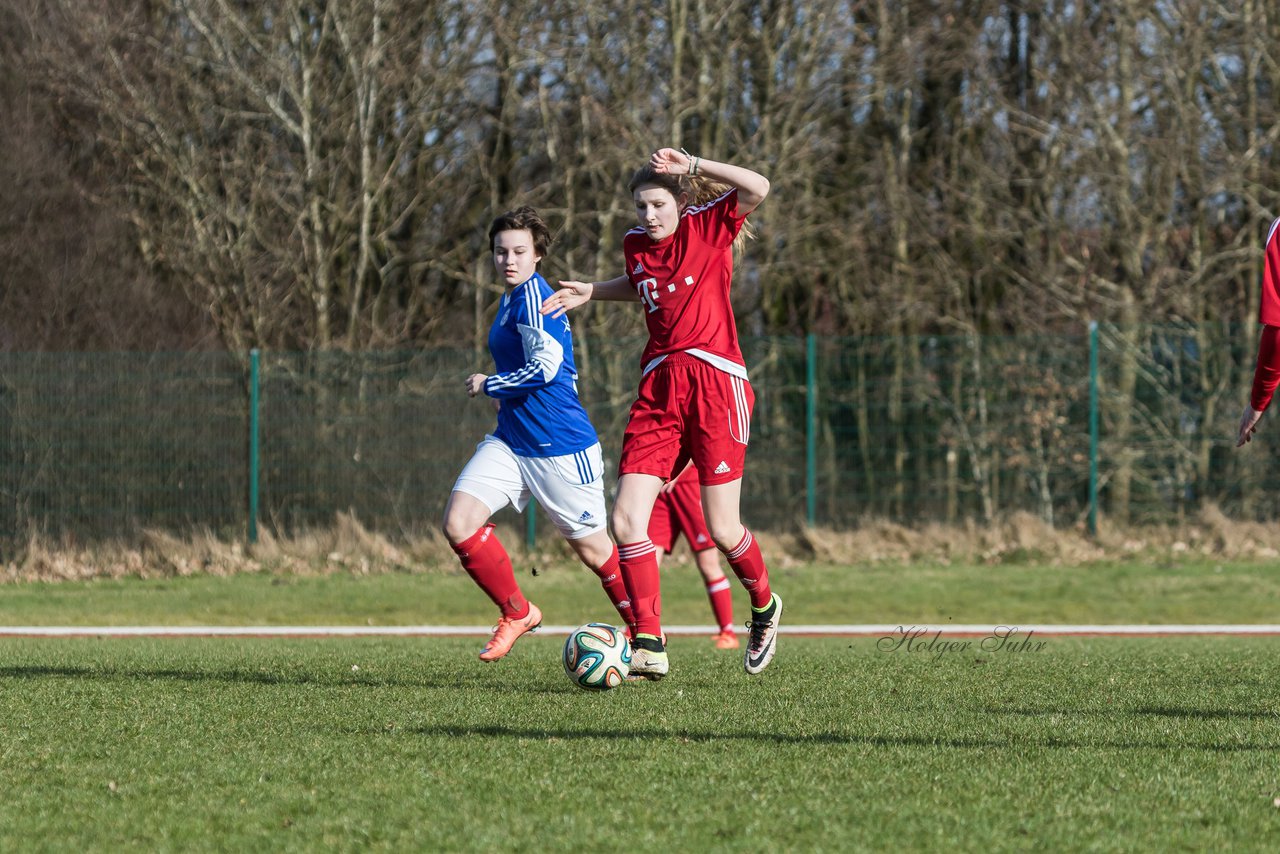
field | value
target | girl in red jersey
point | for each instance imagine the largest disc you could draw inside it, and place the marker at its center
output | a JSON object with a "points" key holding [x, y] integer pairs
{"points": [[1266, 375], [694, 401]]}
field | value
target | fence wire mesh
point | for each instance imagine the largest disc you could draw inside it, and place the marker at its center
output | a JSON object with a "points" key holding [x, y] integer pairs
{"points": [[947, 429]]}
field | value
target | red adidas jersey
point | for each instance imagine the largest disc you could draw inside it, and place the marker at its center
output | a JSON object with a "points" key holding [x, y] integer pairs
{"points": [[1267, 370], [683, 281], [1269, 310]]}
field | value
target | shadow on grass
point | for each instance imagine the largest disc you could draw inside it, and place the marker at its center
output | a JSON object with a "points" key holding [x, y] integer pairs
{"points": [[651, 737], [256, 677], [1157, 711]]}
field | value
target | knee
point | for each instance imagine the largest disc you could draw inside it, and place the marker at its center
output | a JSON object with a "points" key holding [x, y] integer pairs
{"points": [[458, 527], [726, 536], [595, 555], [709, 565], [626, 526], [454, 530]]}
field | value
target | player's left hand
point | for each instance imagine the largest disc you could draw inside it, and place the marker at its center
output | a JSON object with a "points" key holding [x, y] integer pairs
{"points": [[475, 384], [1248, 425], [670, 161]]}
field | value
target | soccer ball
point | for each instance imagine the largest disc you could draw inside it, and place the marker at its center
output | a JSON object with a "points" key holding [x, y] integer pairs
{"points": [[597, 656]]}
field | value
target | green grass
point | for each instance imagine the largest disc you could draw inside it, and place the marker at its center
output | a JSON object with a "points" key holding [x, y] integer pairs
{"points": [[268, 745], [206, 744], [1136, 592]]}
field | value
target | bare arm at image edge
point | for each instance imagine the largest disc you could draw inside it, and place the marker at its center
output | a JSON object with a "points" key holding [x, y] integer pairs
{"points": [[1266, 377]]}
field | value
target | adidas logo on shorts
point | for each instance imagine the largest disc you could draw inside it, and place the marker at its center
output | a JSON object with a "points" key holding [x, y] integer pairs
{"points": [[586, 514], [723, 468]]}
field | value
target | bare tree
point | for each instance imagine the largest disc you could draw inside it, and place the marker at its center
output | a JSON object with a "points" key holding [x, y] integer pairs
{"points": [[68, 277], [272, 156]]}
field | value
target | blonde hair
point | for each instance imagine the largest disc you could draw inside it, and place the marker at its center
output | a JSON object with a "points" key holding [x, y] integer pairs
{"points": [[695, 191]]}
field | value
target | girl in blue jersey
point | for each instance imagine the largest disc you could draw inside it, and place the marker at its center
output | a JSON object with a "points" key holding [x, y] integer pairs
{"points": [[544, 445]]}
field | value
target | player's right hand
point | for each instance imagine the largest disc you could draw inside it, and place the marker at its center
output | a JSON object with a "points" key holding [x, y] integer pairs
{"points": [[1248, 425], [571, 295], [670, 161]]}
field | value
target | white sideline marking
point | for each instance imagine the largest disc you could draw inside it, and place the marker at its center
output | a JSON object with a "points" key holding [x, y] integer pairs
{"points": [[864, 630]]}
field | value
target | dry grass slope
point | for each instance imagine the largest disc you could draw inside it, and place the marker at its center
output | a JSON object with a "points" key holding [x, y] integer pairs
{"points": [[349, 547]]}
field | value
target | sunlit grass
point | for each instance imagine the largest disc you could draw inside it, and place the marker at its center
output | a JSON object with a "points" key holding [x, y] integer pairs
{"points": [[1137, 592], [413, 744]]}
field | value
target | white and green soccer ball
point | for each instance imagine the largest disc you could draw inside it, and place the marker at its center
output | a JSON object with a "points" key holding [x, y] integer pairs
{"points": [[597, 656]]}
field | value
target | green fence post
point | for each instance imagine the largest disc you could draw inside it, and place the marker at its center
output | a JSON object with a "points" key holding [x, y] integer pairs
{"points": [[530, 525], [1093, 428], [811, 429], [253, 445]]}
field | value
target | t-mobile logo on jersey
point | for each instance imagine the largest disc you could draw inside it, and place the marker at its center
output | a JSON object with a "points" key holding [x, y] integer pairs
{"points": [[651, 291]]}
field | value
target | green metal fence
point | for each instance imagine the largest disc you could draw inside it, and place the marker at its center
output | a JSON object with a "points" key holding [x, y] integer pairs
{"points": [[1132, 425]]}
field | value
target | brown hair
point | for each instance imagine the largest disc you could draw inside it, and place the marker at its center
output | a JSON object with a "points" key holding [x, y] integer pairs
{"points": [[696, 191], [523, 218]]}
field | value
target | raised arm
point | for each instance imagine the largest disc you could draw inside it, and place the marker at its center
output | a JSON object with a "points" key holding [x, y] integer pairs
{"points": [[752, 186], [573, 294]]}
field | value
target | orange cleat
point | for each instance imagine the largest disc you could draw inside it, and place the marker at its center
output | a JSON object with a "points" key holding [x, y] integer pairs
{"points": [[508, 631], [725, 640]]}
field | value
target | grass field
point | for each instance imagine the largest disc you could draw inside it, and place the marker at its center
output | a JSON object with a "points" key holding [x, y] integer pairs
{"points": [[1120, 592], [843, 744]]}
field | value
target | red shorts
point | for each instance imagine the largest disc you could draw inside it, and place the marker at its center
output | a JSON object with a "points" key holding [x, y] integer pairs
{"points": [[688, 409], [680, 512]]}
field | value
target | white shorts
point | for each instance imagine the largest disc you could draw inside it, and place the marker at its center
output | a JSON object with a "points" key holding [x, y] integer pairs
{"points": [[569, 488]]}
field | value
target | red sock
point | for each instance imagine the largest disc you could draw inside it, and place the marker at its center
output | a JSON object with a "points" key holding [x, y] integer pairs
{"points": [[639, 564], [748, 565], [488, 564], [721, 596], [615, 588]]}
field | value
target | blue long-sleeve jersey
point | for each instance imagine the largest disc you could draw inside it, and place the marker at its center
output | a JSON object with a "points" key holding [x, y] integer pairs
{"points": [[537, 381]]}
